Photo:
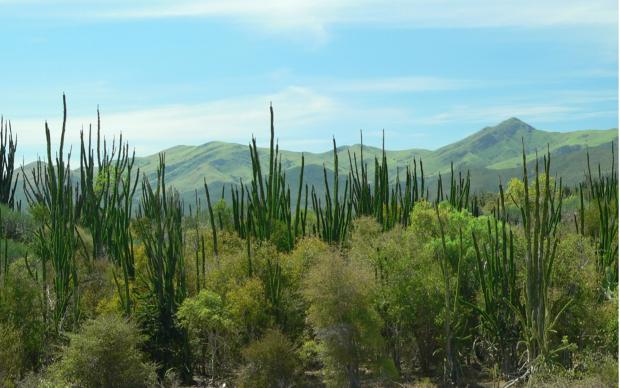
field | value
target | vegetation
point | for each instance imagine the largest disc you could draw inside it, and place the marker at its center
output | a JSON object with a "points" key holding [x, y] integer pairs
{"points": [[403, 278]]}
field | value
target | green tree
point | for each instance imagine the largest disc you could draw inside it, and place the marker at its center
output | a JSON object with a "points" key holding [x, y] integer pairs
{"points": [[269, 362], [106, 353], [340, 295], [208, 324]]}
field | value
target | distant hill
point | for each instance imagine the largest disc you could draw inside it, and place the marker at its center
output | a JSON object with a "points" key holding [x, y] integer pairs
{"points": [[490, 154]]}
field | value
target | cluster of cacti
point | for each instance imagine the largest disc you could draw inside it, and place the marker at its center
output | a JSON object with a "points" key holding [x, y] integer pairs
{"points": [[198, 241], [450, 270], [388, 202], [459, 190], [50, 190], [104, 204], [603, 193], [160, 228], [334, 215], [540, 216], [264, 208], [8, 182], [497, 274]]}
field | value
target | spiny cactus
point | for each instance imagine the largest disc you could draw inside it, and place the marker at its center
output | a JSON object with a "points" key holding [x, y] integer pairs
{"points": [[268, 205], [50, 189], [8, 146]]}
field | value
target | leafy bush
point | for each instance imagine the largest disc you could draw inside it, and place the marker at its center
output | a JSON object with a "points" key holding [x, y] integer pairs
{"points": [[11, 354], [20, 308], [341, 313], [209, 325], [246, 307], [269, 362], [105, 353]]}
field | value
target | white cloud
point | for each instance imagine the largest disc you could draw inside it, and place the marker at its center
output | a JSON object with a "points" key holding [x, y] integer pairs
{"points": [[156, 128], [488, 115], [401, 84], [315, 17]]}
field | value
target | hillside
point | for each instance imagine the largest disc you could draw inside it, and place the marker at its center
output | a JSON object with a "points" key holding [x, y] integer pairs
{"points": [[490, 154]]}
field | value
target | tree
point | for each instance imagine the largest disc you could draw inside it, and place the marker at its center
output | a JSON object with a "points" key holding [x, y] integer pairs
{"points": [[208, 325], [269, 362], [341, 313], [105, 353]]}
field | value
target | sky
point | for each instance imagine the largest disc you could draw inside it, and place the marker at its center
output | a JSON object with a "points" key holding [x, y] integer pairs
{"points": [[427, 72]]}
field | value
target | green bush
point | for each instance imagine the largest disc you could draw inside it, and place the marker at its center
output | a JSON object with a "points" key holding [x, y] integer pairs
{"points": [[247, 309], [209, 326], [15, 224], [11, 355], [105, 353], [269, 362], [20, 307], [342, 314]]}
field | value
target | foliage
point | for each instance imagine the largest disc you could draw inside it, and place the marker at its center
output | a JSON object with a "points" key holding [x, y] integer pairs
{"points": [[165, 285], [269, 362], [339, 292], [50, 187], [106, 353], [208, 324], [11, 354], [246, 308], [8, 182]]}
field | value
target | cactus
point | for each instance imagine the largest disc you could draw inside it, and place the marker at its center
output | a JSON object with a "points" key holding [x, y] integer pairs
{"points": [[56, 239], [268, 198], [389, 204], [8, 182], [104, 204], [540, 216], [604, 193], [497, 275], [333, 219]]}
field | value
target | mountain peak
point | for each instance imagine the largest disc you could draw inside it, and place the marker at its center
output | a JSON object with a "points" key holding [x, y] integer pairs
{"points": [[511, 127]]}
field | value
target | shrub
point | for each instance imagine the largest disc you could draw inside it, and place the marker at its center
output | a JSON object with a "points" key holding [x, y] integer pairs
{"points": [[106, 354], [247, 308], [269, 362], [209, 325], [11, 354], [341, 313], [20, 307]]}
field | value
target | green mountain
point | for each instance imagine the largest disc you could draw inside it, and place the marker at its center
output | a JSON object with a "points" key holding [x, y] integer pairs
{"points": [[490, 154]]}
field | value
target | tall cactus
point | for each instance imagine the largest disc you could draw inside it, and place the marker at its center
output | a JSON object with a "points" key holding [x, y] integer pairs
{"points": [[540, 216], [497, 274], [458, 196], [161, 231], [50, 189], [389, 203], [334, 216], [604, 193], [268, 205], [448, 262], [8, 146], [105, 202]]}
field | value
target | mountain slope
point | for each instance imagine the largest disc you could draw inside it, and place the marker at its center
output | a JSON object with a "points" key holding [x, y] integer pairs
{"points": [[490, 154]]}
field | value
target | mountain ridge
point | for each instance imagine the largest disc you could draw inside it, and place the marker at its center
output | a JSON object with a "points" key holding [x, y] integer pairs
{"points": [[492, 152]]}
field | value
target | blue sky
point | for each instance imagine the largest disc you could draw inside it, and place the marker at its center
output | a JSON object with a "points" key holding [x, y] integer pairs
{"points": [[188, 72]]}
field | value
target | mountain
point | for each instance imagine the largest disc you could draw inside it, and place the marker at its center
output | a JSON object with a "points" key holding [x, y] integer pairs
{"points": [[490, 154]]}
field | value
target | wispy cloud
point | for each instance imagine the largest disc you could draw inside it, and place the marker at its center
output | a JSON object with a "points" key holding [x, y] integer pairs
{"points": [[232, 120], [489, 115], [317, 16], [401, 84]]}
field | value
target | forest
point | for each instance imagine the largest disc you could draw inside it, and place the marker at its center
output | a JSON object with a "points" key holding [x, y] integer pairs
{"points": [[109, 279]]}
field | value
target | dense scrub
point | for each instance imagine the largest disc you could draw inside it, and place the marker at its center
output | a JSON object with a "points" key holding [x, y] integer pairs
{"points": [[379, 282]]}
